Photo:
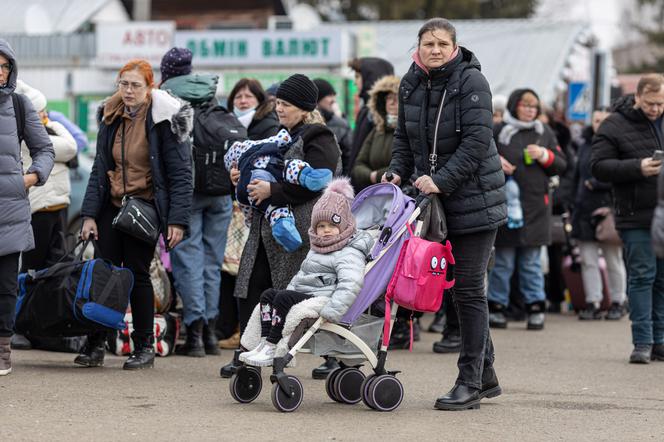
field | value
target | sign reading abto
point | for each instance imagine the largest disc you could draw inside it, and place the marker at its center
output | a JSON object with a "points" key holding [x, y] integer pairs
{"points": [[117, 43], [261, 48]]}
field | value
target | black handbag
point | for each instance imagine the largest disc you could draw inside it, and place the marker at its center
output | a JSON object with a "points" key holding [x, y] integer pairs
{"points": [[137, 216]]}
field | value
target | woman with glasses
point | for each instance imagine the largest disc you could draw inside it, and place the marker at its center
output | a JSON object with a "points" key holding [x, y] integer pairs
{"points": [[142, 151], [530, 155]]}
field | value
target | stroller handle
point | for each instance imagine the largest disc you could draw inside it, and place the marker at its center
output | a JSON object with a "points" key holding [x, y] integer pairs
{"points": [[422, 201]]}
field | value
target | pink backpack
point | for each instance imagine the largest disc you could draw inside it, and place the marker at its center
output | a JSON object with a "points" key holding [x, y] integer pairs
{"points": [[419, 279]]}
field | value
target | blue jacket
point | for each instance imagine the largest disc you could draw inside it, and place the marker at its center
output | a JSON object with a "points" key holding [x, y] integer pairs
{"points": [[168, 125]]}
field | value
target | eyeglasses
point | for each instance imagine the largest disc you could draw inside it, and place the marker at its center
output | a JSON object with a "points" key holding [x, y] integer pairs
{"points": [[6, 67], [125, 85], [529, 106]]}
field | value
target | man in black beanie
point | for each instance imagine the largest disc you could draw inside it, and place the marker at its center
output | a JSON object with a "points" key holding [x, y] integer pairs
{"points": [[327, 100]]}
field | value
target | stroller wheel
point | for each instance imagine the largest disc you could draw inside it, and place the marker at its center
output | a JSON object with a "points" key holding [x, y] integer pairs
{"points": [[329, 385], [347, 385], [287, 402], [364, 388], [246, 384], [385, 392]]}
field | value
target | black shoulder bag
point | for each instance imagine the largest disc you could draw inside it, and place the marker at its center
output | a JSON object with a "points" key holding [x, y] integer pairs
{"points": [[137, 216]]}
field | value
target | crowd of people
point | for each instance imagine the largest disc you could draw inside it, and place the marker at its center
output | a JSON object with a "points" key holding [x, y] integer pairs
{"points": [[534, 209]]}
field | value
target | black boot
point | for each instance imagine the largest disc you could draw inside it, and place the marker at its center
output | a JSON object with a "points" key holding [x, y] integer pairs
{"points": [[490, 386], [143, 355], [193, 346], [461, 397], [536, 315], [497, 317], [450, 343], [92, 354], [210, 341], [325, 368]]}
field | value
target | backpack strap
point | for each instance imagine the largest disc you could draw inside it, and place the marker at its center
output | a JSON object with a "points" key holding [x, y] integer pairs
{"points": [[19, 113]]}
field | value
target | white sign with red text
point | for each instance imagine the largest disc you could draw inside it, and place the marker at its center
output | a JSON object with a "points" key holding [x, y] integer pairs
{"points": [[117, 43]]}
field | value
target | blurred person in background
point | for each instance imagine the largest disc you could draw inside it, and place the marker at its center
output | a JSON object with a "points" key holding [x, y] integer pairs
{"points": [[255, 110], [592, 194], [367, 70], [529, 155], [15, 231], [328, 107], [623, 154], [376, 152]]}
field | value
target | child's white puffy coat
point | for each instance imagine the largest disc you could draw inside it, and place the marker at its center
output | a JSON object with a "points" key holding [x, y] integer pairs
{"points": [[338, 275]]}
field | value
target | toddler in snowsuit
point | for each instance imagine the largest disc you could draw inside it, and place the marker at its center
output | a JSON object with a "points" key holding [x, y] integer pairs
{"points": [[334, 268], [264, 160]]}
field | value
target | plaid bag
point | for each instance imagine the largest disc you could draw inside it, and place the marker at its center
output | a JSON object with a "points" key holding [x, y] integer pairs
{"points": [[238, 233]]}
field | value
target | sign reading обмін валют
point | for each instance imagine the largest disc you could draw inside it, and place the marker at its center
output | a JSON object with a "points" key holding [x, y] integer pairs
{"points": [[265, 48]]}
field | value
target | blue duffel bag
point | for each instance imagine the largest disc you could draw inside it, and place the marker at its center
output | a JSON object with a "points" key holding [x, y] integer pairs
{"points": [[74, 297]]}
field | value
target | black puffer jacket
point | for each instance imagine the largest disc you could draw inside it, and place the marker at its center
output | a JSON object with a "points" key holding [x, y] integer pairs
{"points": [[622, 141], [468, 171], [265, 122], [586, 200]]}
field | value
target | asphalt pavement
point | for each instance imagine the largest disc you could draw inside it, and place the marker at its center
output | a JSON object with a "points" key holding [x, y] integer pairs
{"points": [[570, 381]]}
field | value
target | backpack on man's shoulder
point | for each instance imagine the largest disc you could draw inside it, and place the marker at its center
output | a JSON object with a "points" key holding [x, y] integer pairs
{"points": [[215, 130]]}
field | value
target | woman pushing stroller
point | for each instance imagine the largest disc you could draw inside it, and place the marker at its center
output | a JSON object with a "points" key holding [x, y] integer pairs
{"points": [[333, 268]]}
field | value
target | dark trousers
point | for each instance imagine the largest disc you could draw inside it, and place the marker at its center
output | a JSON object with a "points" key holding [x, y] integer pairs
{"points": [[48, 229], [471, 253], [275, 305], [260, 280], [451, 317], [8, 291], [228, 307], [123, 250]]}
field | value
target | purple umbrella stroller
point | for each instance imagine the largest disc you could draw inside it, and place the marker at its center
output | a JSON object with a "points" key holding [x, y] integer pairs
{"points": [[382, 210]]}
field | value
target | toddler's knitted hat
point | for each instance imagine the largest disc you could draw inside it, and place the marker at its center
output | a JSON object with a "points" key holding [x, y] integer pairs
{"points": [[333, 207], [175, 62]]}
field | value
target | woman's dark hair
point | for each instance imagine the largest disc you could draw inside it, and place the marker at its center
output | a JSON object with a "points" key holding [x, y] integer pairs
{"points": [[254, 87], [435, 24]]}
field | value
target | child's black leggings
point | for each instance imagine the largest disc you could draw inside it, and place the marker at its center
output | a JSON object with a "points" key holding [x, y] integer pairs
{"points": [[275, 305]]}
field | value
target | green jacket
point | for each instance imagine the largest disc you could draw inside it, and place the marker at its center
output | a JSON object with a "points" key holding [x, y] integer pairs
{"points": [[375, 154]]}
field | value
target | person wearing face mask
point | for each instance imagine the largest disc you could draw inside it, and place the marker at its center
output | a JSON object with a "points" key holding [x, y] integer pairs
{"points": [[443, 135], [327, 106], [530, 155], [376, 151], [250, 104]]}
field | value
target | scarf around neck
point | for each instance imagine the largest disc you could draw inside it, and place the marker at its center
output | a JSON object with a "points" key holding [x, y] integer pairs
{"points": [[514, 125]]}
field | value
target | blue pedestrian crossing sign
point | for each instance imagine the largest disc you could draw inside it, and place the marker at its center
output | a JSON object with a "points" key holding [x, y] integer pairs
{"points": [[578, 107]]}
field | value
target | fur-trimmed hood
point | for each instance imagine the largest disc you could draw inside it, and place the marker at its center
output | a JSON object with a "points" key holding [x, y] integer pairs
{"points": [[377, 94], [164, 107]]}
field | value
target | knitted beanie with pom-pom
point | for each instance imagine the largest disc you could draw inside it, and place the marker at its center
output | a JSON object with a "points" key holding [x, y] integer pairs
{"points": [[333, 207]]}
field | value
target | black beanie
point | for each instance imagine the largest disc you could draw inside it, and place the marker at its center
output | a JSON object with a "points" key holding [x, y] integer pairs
{"points": [[299, 91], [175, 62], [325, 89]]}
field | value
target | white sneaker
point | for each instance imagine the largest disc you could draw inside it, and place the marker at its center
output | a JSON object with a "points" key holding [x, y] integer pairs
{"points": [[259, 347], [264, 357]]}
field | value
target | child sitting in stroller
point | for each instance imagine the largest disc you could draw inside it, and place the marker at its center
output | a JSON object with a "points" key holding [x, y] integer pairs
{"points": [[334, 268], [263, 160]]}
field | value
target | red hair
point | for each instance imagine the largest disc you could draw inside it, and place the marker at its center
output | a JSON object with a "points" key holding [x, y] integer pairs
{"points": [[143, 67]]}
